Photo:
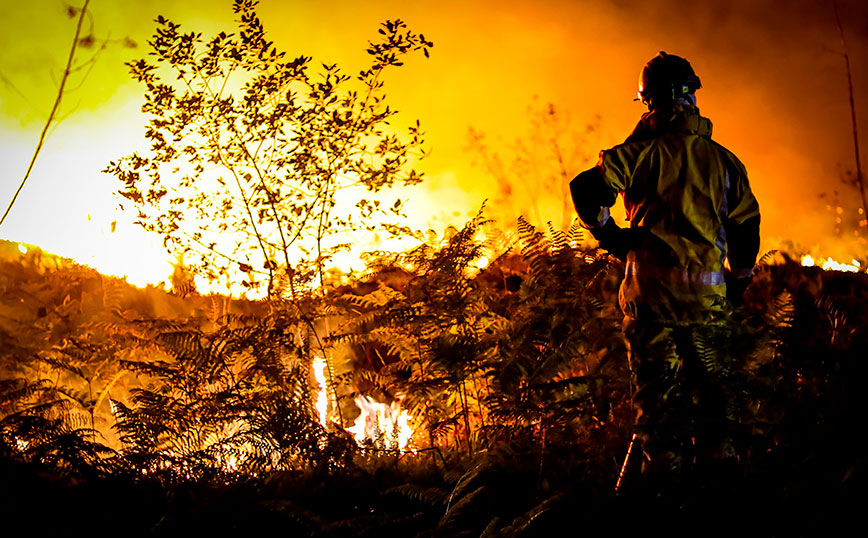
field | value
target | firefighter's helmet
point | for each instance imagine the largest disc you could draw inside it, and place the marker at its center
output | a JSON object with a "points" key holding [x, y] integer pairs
{"points": [[667, 77]]}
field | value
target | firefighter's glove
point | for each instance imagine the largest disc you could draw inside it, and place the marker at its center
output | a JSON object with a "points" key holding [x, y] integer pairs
{"points": [[616, 240], [735, 288]]}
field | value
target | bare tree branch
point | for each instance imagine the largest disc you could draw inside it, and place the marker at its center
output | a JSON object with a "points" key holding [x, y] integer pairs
{"points": [[54, 109]]}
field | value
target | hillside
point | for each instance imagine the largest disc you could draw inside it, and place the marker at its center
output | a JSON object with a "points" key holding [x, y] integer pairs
{"points": [[165, 413]]}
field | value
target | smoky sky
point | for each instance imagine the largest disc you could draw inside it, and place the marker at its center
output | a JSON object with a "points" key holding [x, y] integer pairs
{"points": [[774, 85]]}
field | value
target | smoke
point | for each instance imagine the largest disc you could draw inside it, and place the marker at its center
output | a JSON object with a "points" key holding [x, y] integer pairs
{"points": [[774, 85], [773, 73], [776, 88]]}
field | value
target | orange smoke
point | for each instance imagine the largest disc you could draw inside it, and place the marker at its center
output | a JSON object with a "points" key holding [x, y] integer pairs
{"points": [[773, 84]]}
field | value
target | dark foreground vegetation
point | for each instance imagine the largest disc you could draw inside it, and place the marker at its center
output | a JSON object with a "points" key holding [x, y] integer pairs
{"points": [[146, 412]]}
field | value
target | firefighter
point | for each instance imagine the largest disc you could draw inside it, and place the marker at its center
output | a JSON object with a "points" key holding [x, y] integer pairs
{"points": [[689, 252]]}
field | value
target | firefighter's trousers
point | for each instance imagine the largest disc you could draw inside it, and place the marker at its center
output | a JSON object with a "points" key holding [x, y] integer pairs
{"points": [[682, 396]]}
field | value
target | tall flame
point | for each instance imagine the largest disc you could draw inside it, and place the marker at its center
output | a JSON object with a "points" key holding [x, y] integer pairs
{"points": [[322, 399], [384, 426]]}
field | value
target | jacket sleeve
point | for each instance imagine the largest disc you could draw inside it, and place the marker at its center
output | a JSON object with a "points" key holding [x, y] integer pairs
{"points": [[744, 243], [595, 190], [742, 225], [592, 198]]}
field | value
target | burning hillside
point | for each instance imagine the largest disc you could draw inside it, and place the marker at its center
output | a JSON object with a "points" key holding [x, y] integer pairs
{"points": [[360, 376], [517, 369]]}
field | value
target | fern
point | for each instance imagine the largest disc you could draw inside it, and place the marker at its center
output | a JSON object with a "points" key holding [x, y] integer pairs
{"points": [[766, 258], [783, 311], [706, 352], [835, 318]]}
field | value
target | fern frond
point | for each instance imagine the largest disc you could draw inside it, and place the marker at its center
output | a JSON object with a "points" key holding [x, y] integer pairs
{"points": [[576, 234], [461, 505], [836, 318], [784, 310], [64, 365], [559, 240], [766, 258], [705, 351], [432, 496], [105, 390]]}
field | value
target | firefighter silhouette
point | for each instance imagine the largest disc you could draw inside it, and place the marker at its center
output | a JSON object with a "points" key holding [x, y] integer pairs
{"points": [[689, 253]]}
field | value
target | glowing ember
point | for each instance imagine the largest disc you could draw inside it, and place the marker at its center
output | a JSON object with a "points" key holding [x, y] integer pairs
{"points": [[322, 399], [482, 262], [230, 464], [384, 426], [832, 265]]}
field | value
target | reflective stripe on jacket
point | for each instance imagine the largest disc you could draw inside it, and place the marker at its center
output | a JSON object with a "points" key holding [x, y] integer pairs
{"points": [[686, 193]]}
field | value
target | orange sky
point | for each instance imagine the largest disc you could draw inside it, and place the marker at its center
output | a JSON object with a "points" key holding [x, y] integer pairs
{"points": [[774, 86]]}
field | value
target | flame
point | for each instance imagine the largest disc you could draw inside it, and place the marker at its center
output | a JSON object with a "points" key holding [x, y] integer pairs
{"points": [[322, 400], [832, 265], [231, 464], [384, 426], [22, 248]]}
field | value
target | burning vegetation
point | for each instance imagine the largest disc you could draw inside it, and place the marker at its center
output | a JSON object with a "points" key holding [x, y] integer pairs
{"points": [[456, 398], [474, 384]]}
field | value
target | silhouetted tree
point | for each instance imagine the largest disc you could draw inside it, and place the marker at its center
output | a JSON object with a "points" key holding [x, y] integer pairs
{"points": [[250, 150]]}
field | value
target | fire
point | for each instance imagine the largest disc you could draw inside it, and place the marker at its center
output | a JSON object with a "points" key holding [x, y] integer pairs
{"points": [[384, 426], [322, 399], [231, 464], [832, 265]]}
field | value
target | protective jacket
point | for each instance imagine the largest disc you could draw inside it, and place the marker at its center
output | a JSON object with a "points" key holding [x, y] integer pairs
{"points": [[690, 208]]}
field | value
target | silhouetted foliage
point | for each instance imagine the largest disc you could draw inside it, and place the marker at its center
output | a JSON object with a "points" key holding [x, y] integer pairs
{"points": [[249, 150], [534, 339], [479, 359], [235, 399]]}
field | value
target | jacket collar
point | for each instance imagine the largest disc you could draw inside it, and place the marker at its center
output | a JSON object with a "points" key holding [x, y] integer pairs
{"points": [[682, 119]]}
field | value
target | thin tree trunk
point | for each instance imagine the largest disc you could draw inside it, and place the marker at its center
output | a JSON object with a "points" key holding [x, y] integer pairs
{"points": [[859, 178], [53, 112]]}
